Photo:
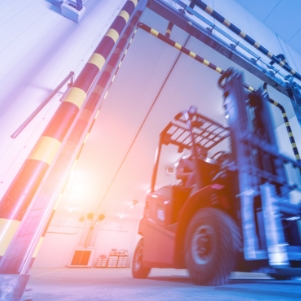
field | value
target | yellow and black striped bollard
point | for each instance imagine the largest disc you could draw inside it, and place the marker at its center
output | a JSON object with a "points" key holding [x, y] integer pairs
{"points": [[21, 191]]}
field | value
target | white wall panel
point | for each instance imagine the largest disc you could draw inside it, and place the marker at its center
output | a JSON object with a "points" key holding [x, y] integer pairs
{"points": [[264, 36], [261, 9], [285, 19], [296, 40]]}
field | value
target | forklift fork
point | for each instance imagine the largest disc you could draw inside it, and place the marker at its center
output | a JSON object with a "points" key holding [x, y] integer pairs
{"points": [[276, 244]]}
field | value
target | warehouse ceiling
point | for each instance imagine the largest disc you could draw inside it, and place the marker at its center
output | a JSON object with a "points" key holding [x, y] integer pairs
{"points": [[281, 16], [153, 84]]}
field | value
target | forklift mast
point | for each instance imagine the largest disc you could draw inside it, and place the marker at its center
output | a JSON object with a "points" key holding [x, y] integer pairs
{"points": [[262, 180]]}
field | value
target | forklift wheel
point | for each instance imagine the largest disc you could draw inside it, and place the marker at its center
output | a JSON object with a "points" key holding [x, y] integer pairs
{"points": [[279, 277], [211, 245], [138, 271]]}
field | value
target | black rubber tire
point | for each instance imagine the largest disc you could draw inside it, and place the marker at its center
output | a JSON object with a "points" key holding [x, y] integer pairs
{"points": [[211, 245], [138, 271], [279, 277]]}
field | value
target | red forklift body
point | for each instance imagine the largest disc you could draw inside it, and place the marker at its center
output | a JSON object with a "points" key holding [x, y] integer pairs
{"points": [[167, 213]]}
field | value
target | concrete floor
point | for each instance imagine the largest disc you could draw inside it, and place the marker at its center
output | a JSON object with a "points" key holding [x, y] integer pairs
{"points": [[162, 285]]}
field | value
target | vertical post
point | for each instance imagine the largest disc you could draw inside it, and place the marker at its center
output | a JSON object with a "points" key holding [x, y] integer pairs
{"points": [[92, 239], [86, 230], [18, 197], [79, 4], [234, 102], [169, 29], [20, 193]]}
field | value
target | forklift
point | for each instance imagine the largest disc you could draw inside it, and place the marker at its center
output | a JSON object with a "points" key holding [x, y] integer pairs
{"points": [[242, 213]]}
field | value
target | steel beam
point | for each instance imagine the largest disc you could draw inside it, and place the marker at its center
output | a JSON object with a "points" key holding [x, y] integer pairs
{"points": [[204, 35]]}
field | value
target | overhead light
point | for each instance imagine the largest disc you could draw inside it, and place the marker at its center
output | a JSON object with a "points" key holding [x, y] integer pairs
{"points": [[101, 217], [90, 216]]}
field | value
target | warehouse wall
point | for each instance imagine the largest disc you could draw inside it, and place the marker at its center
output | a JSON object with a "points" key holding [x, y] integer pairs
{"points": [[65, 235], [65, 231]]}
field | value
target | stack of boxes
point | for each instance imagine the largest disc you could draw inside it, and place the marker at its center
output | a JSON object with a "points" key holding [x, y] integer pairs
{"points": [[101, 261], [116, 259], [122, 258], [113, 259]]}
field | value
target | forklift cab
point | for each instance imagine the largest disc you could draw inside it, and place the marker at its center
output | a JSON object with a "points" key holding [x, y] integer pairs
{"points": [[203, 145]]}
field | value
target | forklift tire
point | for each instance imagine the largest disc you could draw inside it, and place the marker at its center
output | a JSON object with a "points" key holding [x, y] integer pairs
{"points": [[279, 277], [211, 245], [138, 271]]}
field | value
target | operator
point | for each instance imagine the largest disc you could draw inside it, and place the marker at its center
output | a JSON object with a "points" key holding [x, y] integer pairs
{"points": [[185, 171]]}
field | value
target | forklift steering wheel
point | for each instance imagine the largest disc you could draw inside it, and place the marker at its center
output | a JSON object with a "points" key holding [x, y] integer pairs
{"points": [[217, 156]]}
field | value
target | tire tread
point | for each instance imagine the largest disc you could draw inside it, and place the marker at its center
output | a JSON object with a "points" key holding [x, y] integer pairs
{"points": [[229, 242]]}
